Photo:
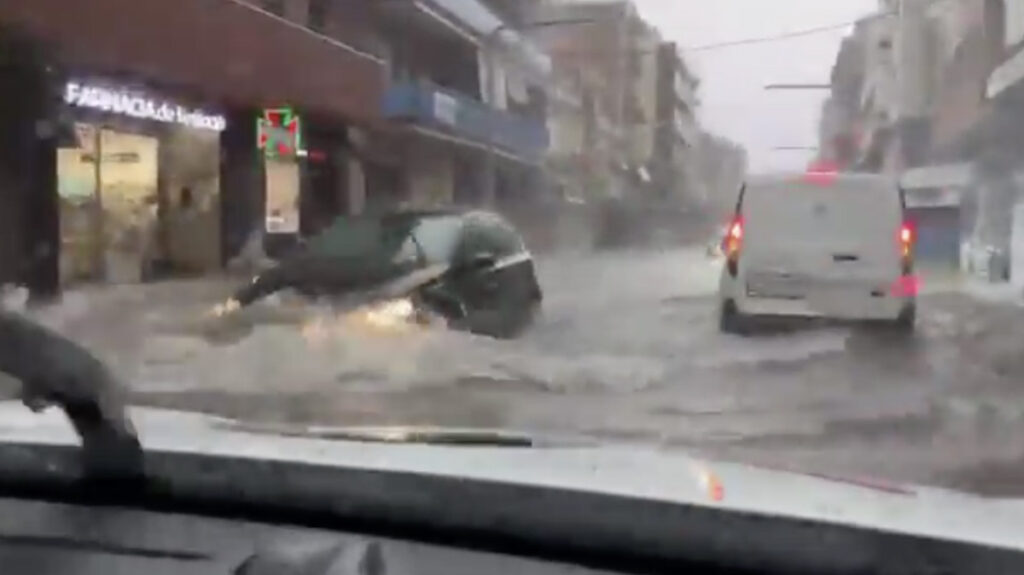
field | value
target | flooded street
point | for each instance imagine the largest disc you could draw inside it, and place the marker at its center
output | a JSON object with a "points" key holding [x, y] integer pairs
{"points": [[628, 350]]}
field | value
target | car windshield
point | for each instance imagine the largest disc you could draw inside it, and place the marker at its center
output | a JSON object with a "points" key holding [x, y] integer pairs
{"points": [[399, 238], [785, 233]]}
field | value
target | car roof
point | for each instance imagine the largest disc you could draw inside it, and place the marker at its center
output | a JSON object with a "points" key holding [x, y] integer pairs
{"points": [[453, 210], [843, 177]]}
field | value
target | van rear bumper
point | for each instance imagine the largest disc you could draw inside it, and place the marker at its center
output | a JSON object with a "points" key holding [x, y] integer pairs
{"points": [[881, 308], [841, 301]]}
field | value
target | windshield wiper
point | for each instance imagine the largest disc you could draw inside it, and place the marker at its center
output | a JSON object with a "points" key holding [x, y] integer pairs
{"points": [[396, 434], [54, 370]]}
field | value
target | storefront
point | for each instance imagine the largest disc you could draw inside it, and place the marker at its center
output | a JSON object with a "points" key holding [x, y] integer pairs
{"points": [[305, 165], [139, 194], [938, 204]]}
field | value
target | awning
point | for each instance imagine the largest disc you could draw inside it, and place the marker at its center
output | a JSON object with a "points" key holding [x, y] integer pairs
{"points": [[223, 50]]}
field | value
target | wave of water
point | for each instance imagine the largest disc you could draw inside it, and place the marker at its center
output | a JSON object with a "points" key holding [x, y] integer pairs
{"points": [[617, 324]]}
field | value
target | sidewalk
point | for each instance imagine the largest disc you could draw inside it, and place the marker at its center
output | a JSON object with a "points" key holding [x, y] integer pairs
{"points": [[1003, 293], [933, 283]]}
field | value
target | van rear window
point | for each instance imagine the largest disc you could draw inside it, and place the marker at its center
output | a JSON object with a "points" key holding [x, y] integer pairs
{"points": [[840, 209]]}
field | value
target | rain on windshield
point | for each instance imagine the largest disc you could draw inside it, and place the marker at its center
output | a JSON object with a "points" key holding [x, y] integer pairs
{"points": [[581, 253]]}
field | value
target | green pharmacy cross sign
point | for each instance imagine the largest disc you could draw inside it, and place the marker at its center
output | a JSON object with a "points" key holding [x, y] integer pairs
{"points": [[279, 133]]}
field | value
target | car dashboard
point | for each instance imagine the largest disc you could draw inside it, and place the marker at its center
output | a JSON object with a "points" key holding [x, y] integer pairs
{"points": [[46, 538]]}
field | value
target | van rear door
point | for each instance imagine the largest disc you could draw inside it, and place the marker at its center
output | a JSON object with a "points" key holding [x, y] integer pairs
{"points": [[845, 230]]}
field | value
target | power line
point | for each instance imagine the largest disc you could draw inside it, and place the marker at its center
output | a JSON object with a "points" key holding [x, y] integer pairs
{"points": [[767, 39], [800, 33], [732, 43]]}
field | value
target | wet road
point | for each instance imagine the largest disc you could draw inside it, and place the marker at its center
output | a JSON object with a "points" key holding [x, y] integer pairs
{"points": [[628, 350]]}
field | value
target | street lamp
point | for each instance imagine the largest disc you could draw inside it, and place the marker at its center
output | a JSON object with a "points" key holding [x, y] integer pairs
{"points": [[489, 45]]}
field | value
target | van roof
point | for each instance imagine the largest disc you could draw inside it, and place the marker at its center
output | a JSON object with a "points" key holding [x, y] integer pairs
{"points": [[844, 177]]}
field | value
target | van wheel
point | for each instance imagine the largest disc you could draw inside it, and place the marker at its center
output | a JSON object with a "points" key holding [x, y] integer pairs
{"points": [[905, 322], [730, 320]]}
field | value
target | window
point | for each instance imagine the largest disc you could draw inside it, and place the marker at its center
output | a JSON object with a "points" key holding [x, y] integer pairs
{"points": [[491, 235], [435, 237], [317, 17]]}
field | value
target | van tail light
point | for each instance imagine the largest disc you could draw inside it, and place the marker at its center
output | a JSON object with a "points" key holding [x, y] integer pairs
{"points": [[733, 244], [908, 284], [907, 248]]}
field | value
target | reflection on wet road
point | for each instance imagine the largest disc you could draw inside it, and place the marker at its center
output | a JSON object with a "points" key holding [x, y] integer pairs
{"points": [[628, 350]]}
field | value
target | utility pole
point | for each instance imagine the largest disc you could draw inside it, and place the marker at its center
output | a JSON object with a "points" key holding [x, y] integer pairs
{"points": [[490, 49]]}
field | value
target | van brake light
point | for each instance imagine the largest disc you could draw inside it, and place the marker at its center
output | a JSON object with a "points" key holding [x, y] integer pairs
{"points": [[736, 230], [733, 243], [907, 248]]}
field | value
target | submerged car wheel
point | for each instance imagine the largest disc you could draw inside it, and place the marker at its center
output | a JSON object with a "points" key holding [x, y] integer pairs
{"points": [[903, 325]]}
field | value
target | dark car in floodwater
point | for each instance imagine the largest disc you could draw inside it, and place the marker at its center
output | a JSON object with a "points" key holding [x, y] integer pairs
{"points": [[470, 267]]}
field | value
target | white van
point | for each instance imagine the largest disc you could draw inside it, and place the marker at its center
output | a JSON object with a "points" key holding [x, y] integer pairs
{"points": [[819, 245]]}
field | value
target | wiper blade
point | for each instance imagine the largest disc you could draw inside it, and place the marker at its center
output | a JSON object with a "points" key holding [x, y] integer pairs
{"points": [[397, 434], [53, 370]]}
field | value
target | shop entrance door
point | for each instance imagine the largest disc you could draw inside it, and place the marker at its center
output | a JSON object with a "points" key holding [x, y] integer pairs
{"points": [[108, 205], [80, 211], [128, 194]]}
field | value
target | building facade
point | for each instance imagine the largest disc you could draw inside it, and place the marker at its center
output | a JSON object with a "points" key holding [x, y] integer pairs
{"points": [[158, 167], [841, 128], [676, 131], [466, 102], [946, 116], [615, 49]]}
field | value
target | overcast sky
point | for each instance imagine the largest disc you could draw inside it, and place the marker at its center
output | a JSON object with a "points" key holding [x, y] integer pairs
{"points": [[734, 103]]}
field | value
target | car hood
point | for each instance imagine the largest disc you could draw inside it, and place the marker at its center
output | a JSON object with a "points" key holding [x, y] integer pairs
{"points": [[646, 473]]}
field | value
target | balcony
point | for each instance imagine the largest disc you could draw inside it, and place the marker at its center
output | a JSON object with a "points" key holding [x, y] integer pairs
{"points": [[432, 107]]}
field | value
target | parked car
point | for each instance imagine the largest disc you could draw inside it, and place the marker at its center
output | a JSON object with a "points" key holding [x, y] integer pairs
{"points": [[819, 245], [469, 267]]}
